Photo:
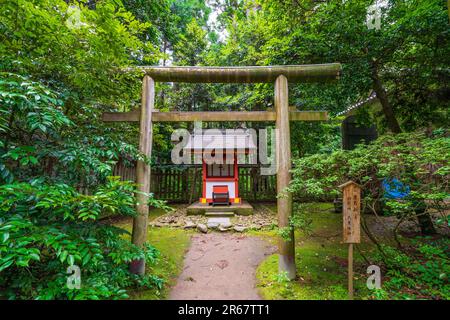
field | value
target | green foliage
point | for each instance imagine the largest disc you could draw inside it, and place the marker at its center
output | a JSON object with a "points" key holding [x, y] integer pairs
{"points": [[409, 55], [37, 104], [39, 139], [300, 220], [58, 73], [418, 161], [46, 228], [421, 273], [190, 50], [68, 42]]}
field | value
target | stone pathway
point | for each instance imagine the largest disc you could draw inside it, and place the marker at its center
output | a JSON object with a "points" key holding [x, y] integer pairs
{"points": [[221, 266]]}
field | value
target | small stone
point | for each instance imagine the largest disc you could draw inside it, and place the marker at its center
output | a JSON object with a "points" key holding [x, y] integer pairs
{"points": [[239, 229], [202, 228], [225, 225], [189, 225], [222, 229], [213, 225]]}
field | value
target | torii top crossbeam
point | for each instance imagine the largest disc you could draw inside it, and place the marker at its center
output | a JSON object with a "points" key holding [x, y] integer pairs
{"points": [[251, 74]]}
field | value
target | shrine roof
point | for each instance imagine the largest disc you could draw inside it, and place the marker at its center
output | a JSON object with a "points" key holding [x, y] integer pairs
{"points": [[221, 141]]}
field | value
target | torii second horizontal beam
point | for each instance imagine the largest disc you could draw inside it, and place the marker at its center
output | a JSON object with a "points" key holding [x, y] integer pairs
{"points": [[214, 116], [251, 74]]}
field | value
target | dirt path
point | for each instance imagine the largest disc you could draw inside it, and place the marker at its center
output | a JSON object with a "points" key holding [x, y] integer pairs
{"points": [[221, 266]]}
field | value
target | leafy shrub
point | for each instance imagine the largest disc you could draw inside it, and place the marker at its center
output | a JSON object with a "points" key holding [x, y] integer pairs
{"points": [[56, 79], [46, 228], [39, 140], [417, 160]]}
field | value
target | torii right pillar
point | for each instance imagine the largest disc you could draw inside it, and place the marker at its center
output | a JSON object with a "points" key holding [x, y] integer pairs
{"points": [[286, 247]]}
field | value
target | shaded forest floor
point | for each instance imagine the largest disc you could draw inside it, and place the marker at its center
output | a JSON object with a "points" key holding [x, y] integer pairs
{"points": [[321, 260]]}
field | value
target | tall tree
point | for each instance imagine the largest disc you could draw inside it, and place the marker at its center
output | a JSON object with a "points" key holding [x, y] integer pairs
{"points": [[377, 42], [403, 59]]}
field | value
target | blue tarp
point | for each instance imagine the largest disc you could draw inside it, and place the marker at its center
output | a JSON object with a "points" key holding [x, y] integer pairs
{"points": [[394, 189]]}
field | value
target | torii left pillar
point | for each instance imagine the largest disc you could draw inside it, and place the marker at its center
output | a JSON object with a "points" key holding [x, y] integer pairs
{"points": [[140, 222]]}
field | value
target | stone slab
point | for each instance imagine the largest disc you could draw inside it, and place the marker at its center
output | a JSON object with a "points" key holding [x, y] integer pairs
{"points": [[219, 220]]}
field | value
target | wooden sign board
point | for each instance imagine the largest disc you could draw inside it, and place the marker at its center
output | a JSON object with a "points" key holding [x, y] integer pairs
{"points": [[351, 212]]}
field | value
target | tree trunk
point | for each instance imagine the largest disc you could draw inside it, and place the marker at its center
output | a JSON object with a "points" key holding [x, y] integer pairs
{"points": [[382, 96], [424, 219]]}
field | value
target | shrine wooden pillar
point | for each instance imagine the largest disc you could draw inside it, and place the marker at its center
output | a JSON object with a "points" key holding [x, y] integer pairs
{"points": [[286, 247]]}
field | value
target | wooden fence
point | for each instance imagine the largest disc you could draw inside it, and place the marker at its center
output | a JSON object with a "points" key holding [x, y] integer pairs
{"points": [[183, 183]]}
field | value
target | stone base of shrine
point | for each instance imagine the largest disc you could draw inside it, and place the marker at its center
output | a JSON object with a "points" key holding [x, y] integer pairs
{"points": [[243, 208]]}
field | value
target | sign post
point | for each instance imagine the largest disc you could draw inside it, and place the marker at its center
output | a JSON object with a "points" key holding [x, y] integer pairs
{"points": [[351, 224]]}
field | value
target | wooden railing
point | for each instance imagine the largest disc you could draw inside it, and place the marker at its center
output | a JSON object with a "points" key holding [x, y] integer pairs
{"points": [[183, 183]]}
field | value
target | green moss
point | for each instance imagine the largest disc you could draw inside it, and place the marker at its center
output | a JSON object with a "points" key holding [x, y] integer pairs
{"points": [[172, 245], [266, 234], [321, 261], [271, 206], [322, 275], [157, 212], [122, 221]]}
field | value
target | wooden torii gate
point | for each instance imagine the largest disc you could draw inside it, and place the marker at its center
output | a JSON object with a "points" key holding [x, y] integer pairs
{"points": [[282, 115]]}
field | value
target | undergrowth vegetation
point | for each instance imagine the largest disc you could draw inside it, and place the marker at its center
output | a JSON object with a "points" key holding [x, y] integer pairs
{"points": [[420, 271], [44, 229], [416, 265]]}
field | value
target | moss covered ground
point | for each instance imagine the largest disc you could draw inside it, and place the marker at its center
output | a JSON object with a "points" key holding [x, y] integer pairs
{"points": [[321, 260], [172, 244]]}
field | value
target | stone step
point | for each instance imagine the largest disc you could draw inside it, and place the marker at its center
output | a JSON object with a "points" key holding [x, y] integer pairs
{"points": [[219, 213], [221, 223]]}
